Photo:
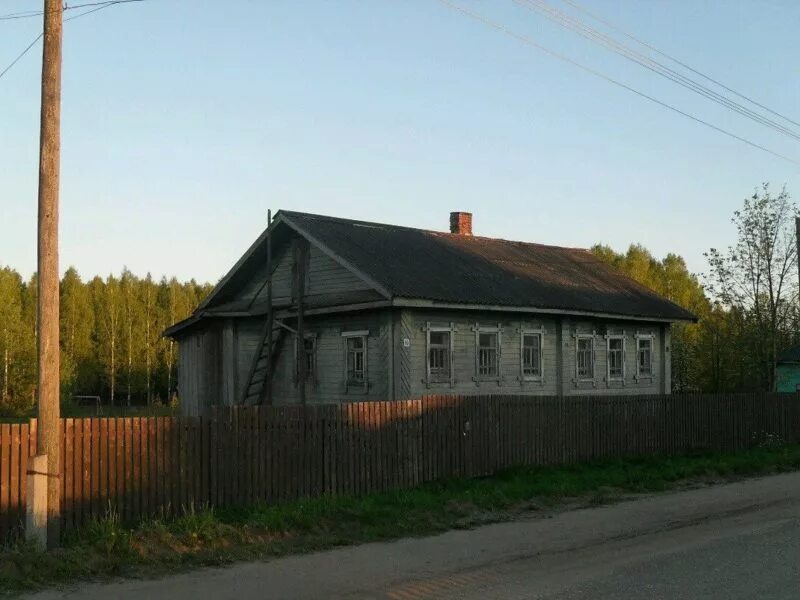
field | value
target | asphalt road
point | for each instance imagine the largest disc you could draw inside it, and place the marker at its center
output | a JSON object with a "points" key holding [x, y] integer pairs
{"points": [[734, 541]]}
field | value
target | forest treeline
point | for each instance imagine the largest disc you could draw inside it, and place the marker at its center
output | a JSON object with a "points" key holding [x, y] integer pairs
{"points": [[747, 301], [111, 343]]}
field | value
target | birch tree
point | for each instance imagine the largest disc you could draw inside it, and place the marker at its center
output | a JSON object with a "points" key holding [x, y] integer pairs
{"points": [[757, 276]]}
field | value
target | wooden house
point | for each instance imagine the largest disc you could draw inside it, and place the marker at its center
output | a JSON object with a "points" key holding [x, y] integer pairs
{"points": [[323, 309]]}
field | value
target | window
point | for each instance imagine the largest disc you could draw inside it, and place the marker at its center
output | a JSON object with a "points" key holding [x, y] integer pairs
{"points": [[584, 357], [309, 351], [487, 354], [439, 355], [616, 358], [531, 355], [309, 355], [644, 357], [355, 358]]}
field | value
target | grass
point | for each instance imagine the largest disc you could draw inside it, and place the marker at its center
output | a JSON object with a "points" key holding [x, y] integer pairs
{"points": [[204, 537]]}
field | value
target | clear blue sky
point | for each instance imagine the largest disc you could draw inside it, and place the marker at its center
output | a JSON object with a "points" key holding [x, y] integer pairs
{"points": [[184, 121]]}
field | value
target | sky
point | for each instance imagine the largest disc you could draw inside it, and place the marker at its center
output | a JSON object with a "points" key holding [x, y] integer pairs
{"points": [[184, 121]]}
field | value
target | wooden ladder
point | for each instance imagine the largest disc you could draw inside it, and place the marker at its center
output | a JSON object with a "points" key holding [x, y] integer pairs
{"points": [[254, 390]]}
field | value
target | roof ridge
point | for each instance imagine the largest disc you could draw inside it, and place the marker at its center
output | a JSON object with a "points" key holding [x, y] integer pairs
{"points": [[320, 217]]}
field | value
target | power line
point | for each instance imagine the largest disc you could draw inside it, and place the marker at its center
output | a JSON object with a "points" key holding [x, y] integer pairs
{"points": [[613, 27], [531, 42], [21, 54], [97, 6], [559, 17], [38, 13]]}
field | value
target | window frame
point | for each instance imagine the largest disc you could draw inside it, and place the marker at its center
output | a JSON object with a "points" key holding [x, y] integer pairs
{"points": [[361, 386], [609, 338], [311, 375], [531, 331], [450, 331], [498, 331], [591, 338], [651, 338]]}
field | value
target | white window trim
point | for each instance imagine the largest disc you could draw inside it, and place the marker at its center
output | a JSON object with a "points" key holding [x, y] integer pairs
{"points": [[296, 374], [645, 336], [616, 336], [451, 329], [578, 379], [523, 331], [479, 329], [348, 387]]}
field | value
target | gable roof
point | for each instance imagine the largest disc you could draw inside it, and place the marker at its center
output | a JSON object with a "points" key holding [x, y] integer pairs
{"points": [[471, 270], [404, 264]]}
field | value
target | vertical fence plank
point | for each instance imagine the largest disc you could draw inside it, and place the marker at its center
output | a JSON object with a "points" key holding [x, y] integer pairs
{"points": [[15, 510], [68, 471]]}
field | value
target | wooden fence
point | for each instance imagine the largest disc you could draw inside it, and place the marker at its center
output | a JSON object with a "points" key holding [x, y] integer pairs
{"points": [[140, 466]]}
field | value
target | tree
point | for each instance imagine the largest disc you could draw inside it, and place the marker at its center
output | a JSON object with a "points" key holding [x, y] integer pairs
{"points": [[17, 346], [756, 277], [151, 333], [78, 367], [670, 278], [106, 297]]}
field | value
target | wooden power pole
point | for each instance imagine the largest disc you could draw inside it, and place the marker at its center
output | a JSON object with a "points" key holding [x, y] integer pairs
{"points": [[797, 242], [48, 440]]}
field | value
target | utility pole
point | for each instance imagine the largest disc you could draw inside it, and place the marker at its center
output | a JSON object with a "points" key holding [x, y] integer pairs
{"points": [[48, 439], [797, 242]]}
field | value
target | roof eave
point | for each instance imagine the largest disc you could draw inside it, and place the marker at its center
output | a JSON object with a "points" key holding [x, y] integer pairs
{"points": [[427, 303]]}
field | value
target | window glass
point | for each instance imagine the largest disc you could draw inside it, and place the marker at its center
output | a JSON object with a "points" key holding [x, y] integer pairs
{"points": [[487, 354], [616, 358], [309, 345], [439, 355], [531, 354], [355, 360], [585, 359], [645, 356]]}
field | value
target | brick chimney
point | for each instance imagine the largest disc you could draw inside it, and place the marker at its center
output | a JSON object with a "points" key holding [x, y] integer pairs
{"points": [[461, 223]]}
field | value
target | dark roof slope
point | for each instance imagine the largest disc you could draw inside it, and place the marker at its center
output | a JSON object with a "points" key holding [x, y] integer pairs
{"points": [[444, 267]]}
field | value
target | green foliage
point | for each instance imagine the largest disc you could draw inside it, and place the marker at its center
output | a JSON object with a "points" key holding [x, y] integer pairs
{"points": [[748, 307], [107, 535], [756, 281], [111, 344], [671, 278], [17, 343], [198, 525]]}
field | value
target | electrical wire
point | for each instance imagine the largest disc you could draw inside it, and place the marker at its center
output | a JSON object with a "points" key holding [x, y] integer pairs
{"points": [[21, 54], [638, 40], [531, 42], [97, 6], [541, 7], [39, 13]]}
